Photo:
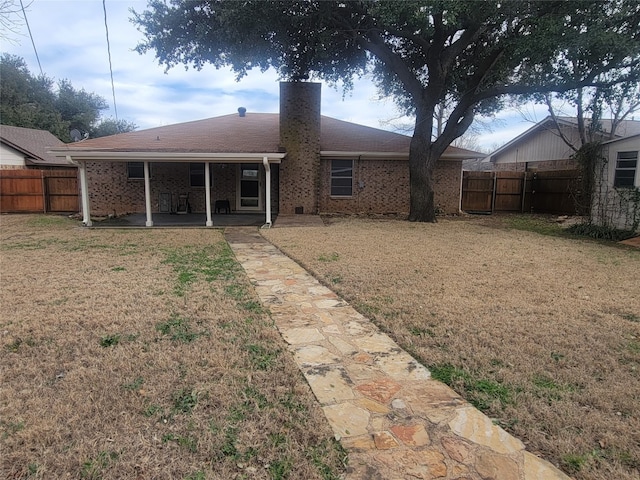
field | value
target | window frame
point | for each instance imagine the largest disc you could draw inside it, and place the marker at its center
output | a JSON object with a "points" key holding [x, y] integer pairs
{"points": [[335, 168], [623, 164], [136, 165], [199, 174]]}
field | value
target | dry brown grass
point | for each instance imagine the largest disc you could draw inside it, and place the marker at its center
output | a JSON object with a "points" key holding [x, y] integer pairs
{"points": [[144, 355], [541, 332]]}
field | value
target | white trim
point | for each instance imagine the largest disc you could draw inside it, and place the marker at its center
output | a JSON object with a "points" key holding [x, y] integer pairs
{"points": [[147, 194], [169, 157], [86, 213], [267, 170], [207, 193], [239, 197]]}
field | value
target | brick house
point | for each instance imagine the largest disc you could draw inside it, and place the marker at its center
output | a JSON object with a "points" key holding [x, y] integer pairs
{"points": [[294, 162]]}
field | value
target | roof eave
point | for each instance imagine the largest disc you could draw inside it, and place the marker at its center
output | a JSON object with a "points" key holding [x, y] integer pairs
{"points": [[157, 157], [362, 154]]}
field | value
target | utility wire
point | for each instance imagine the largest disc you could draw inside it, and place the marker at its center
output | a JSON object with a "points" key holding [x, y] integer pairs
{"points": [[24, 14], [106, 28]]}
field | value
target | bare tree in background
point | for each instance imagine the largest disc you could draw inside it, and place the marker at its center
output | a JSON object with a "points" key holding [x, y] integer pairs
{"points": [[11, 20]]}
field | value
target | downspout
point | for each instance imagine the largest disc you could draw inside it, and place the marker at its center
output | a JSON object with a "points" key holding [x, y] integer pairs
{"points": [[267, 170], [84, 193]]}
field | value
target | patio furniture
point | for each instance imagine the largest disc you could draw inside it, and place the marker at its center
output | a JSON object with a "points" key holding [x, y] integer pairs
{"points": [[183, 205], [222, 206]]}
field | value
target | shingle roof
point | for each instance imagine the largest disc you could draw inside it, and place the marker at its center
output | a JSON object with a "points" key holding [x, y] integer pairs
{"points": [[253, 133], [34, 144]]}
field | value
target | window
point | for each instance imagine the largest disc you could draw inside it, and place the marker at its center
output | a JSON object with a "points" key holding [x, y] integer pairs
{"points": [[196, 175], [626, 166], [135, 170], [341, 178]]}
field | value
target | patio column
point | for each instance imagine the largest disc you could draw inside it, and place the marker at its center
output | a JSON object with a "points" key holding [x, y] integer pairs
{"points": [[267, 170], [147, 194], [207, 193], [84, 192]]}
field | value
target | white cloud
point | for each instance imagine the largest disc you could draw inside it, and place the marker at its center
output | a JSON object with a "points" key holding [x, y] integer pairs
{"points": [[71, 41]]}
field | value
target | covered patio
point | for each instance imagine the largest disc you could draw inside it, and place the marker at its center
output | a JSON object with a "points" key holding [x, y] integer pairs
{"points": [[261, 205], [196, 220]]}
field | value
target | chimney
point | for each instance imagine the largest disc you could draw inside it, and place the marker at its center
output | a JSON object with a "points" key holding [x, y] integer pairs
{"points": [[242, 111], [300, 137]]}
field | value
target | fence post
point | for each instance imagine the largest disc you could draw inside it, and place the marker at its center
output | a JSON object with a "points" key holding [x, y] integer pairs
{"points": [[44, 192], [493, 193], [524, 190]]}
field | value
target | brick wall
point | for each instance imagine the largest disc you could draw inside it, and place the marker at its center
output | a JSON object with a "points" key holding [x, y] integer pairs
{"points": [[382, 186], [300, 136], [111, 192], [447, 179]]}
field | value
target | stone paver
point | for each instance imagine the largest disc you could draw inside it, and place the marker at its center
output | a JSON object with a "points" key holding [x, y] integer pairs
{"points": [[392, 418]]}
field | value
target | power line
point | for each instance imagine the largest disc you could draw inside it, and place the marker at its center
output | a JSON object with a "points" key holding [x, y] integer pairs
{"points": [[106, 28], [24, 14]]}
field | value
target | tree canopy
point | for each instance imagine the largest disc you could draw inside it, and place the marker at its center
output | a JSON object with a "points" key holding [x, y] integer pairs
{"points": [[38, 102], [468, 54]]}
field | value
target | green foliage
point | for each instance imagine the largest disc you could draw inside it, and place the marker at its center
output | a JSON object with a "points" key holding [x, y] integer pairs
{"points": [[179, 329], [262, 357], [332, 257], [600, 232], [10, 428], [188, 443], [135, 385], [536, 224], [110, 340], [184, 401], [482, 393], [320, 452], [280, 469], [36, 102], [111, 126], [215, 262], [93, 468]]}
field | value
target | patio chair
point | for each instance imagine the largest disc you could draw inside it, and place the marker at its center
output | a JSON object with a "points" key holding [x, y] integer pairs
{"points": [[183, 205]]}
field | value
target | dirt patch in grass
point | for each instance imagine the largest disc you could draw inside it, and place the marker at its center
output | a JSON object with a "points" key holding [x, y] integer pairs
{"points": [[540, 331], [145, 354]]}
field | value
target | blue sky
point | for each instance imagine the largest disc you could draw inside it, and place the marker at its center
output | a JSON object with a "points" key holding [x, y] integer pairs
{"points": [[70, 39]]}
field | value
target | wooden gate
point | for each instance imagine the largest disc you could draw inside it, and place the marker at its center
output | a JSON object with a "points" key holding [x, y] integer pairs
{"points": [[39, 191], [556, 191]]}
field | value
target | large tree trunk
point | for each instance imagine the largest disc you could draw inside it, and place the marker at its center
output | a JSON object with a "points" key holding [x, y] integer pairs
{"points": [[423, 155], [422, 204]]}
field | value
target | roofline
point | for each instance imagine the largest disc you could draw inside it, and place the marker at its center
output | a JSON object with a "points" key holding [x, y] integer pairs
{"points": [[20, 149], [391, 155], [167, 156], [619, 139], [352, 154]]}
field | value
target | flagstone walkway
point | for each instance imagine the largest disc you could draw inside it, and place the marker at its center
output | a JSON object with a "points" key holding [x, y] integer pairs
{"points": [[391, 417]]}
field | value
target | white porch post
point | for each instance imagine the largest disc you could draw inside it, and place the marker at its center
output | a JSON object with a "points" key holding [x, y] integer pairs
{"points": [[86, 213], [267, 170], [207, 193], [147, 194]]}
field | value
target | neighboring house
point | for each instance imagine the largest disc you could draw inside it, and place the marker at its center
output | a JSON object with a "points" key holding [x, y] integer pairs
{"points": [[294, 162], [542, 148], [29, 148], [616, 200]]}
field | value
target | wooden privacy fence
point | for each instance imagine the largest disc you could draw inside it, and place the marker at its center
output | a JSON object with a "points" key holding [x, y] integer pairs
{"points": [[557, 191], [35, 191]]}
